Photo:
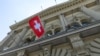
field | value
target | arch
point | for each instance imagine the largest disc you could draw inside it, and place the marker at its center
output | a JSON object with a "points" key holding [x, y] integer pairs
{"points": [[74, 25], [49, 33], [29, 39], [33, 38], [57, 30], [85, 21]]}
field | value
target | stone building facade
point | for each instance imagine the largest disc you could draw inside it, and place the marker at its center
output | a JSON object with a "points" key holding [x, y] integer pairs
{"points": [[71, 29]]}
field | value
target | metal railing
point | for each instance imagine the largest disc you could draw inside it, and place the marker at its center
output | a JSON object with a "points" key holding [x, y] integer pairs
{"points": [[58, 34]]}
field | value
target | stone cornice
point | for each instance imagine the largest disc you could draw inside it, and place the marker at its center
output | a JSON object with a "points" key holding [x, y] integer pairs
{"points": [[49, 11]]}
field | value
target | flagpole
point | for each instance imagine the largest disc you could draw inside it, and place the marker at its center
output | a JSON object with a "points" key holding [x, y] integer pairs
{"points": [[41, 7], [55, 1], [15, 21]]}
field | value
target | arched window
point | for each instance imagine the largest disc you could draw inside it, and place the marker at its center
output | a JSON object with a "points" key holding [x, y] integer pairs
{"points": [[85, 21], [75, 25], [57, 30], [29, 39], [33, 38], [49, 33]]}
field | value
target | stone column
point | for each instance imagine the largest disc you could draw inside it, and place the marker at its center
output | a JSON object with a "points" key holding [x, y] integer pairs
{"points": [[52, 31], [47, 50], [77, 45], [19, 37], [21, 53], [92, 13], [43, 23], [62, 19], [79, 21]]}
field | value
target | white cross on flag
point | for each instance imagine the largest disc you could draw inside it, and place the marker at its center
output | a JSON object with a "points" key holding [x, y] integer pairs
{"points": [[36, 26]]}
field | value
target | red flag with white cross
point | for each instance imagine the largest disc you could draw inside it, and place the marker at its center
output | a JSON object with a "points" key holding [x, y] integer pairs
{"points": [[36, 26]]}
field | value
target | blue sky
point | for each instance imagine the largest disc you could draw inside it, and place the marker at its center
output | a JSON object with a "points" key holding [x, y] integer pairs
{"points": [[11, 10]]}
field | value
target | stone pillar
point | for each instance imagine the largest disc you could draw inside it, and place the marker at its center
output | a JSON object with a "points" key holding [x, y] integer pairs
{"points": [[19, 37], [21, 53], [47, 50], [52, 31], [79, 21], [62, 19], [91, 13], [77, 45], [65, 21], [43, 23]]}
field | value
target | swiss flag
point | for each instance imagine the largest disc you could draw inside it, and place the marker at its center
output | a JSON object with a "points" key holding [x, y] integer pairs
{"points": [[36, 26]]}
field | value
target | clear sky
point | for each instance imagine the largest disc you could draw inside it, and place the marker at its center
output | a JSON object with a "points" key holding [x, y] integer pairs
{"points": [[11, 10]]}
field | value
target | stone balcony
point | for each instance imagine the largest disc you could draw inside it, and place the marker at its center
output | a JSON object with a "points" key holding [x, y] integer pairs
{"points": [[58, 38]]}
